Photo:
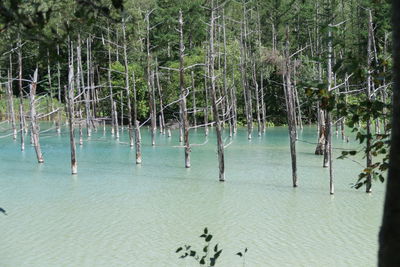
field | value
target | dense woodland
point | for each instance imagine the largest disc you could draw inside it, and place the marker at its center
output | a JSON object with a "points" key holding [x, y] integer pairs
{"points": [[167, 64]]}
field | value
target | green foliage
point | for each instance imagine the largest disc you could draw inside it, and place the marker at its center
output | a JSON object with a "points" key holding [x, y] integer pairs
{"points": [[210, 253]]}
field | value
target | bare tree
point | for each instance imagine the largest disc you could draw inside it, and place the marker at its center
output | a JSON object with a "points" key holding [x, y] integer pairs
{"points": [[130, 129], [369, 97], [137, 127], [185, 122], [160, 95], [71, 115], [33, 115], [152, 102], [113, 118], [220, 142], [11, 111], [289, 97], [21, 97]]}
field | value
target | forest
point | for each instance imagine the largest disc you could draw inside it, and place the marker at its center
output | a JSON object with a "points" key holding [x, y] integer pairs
{"points": [[150, 75]]}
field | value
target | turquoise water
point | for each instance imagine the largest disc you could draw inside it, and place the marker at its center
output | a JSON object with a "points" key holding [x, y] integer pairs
{"points": [[115, 213]]}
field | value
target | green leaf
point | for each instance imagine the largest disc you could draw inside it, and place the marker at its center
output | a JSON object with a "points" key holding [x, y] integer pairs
{"points": [[179, 249], [216, 248], [208, 238], [216, 255], [212, 261], [239, 254], [202, 261]]}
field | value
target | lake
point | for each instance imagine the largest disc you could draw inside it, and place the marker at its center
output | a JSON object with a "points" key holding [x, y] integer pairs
{"points": [[116, 213]]}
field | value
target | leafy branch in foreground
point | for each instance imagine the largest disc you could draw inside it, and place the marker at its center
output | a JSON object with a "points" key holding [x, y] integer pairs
{"points": [[377, 145], [209, 254], [243, 255]]}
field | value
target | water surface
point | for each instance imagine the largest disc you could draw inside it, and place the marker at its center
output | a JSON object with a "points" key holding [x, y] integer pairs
{"points": [[115, 213]]}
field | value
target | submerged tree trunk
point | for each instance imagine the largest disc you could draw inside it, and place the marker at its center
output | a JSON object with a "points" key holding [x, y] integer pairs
{"points": [[328, 162], [21, 98], [71, 118], [291, 113], [319, 150], [160, 95], [220, 143], [263, 120], [88, 88], [137, 127], [34, 126], [206, 77], [368, 156], [257, 99], [329, 151], [116, 120], [110, 86], [194, 101], [11, 105], [149, 86], [78, 79], [246, 90], [127, 85], [58, 124], [185, 122]]}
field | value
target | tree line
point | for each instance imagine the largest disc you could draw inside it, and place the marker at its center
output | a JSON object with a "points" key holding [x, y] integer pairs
{"points": [[192, 64]]}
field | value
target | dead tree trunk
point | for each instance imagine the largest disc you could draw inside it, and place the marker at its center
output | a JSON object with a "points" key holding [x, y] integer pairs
{"points": [[194, 101], [11, 105], [88, 88], [243, 68], [71, 116], [220, 143], [228, 106], [290, 110], [263, 119], [21, 98], [329, 150], [297, 100], [79, 87], [122, 110], [110, 86], [50, 86], [137, 127], [149, 87], [116, 120], [257, 99], [368, 157], [319, 150], [127, 84], [185, 122], [58, 125], [160, 95], [206, 77], [34, 126], [234, 103], [328, 144], [262, 77]]}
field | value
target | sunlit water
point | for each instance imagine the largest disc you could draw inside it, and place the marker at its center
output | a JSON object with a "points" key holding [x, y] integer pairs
{"points": [[115, 213]]}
